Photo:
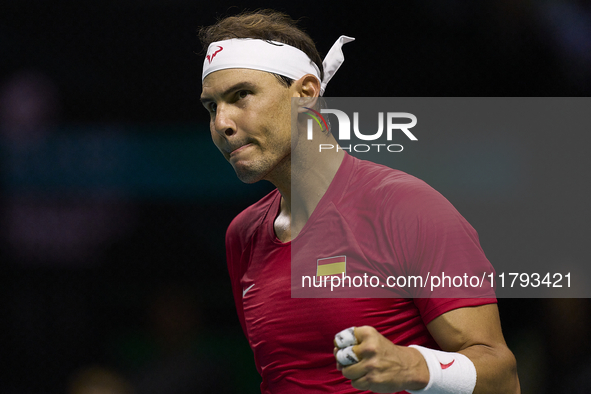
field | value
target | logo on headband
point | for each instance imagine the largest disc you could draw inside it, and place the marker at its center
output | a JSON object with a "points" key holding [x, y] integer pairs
{"points": [[210, 57]]}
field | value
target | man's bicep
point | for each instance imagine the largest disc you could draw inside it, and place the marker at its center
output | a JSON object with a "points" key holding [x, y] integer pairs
{"points": [[464, 327]]}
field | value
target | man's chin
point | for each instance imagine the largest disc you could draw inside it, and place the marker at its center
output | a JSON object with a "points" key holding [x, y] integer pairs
{"points": [[248, 176]]}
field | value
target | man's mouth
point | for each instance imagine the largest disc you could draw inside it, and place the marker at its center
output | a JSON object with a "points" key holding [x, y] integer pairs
{"points": [[239, 149]]}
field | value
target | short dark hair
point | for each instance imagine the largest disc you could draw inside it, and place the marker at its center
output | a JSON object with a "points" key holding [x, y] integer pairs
{"points": [[266, 24]]}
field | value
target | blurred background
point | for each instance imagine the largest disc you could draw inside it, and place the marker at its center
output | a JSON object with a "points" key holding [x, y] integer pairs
{"points": [[114, 202]]}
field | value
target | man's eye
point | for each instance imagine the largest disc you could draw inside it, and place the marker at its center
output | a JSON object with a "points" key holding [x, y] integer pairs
{"points": [[243, 93], [212, 107]]}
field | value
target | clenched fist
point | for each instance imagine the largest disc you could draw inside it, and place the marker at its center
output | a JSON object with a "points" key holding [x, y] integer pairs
{"points": [[383, 367]]}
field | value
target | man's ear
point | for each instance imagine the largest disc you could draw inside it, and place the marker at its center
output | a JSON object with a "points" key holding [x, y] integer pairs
{"points": [[309, 89]]}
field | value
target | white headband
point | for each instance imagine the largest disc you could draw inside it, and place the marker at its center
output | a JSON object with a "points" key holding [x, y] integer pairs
{"points": [[271, 56]]}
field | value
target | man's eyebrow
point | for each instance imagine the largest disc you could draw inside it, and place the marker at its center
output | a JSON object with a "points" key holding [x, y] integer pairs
{"points": [[231, 89]]}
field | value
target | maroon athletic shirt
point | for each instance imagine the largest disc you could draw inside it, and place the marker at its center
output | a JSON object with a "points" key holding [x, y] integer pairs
{"points": [[391, 224]]}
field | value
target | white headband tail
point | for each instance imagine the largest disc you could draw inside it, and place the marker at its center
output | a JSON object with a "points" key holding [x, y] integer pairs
{"points": [[333, 60]]}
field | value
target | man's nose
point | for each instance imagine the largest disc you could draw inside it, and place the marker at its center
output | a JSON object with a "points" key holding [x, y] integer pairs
{"points": [[224, 121]]}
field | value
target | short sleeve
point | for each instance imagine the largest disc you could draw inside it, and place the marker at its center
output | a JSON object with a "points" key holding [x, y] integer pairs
{"points": [[440, 246]]}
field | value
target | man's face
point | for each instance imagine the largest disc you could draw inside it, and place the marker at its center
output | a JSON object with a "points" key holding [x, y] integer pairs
{"points": [[250, 114]]}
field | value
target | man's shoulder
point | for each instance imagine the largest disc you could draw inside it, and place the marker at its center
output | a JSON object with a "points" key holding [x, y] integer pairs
{"points": [[395, 196], [249, 220], [387, 183]]}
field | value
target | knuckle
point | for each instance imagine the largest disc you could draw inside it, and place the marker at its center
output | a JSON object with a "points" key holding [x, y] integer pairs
{"points": [[363, 333], [368, 329], [363, 329], [370, 365], [370, 348]]}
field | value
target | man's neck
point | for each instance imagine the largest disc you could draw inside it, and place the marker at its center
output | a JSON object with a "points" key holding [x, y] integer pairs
{"points": [[306, 181]]}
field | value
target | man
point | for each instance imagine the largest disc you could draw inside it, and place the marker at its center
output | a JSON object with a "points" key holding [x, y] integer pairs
{"points": [[259, 70]]}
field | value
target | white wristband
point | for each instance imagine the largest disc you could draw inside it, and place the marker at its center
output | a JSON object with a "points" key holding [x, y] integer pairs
{"points": [[449, 373]]}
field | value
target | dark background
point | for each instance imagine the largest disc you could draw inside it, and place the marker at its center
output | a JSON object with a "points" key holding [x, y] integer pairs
{"points": [[114, 202]]}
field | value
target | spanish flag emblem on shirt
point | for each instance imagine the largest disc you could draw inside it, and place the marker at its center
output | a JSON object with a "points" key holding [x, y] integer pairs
{"points": [[336, 265]]}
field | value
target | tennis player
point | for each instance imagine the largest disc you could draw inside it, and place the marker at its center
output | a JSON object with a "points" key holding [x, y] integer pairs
{"points": [[258, 70]]}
